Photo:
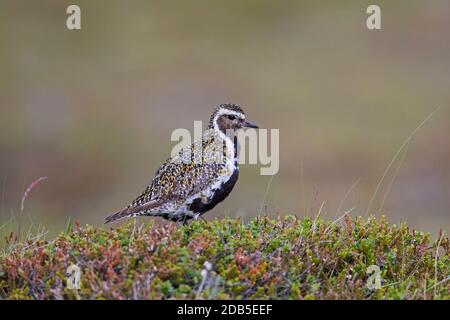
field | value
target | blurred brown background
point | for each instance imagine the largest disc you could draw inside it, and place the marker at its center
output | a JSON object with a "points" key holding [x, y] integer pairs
{"points": [[93, 110]]}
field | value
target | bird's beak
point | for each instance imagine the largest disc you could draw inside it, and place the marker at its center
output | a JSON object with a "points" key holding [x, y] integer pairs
{"points": [[249, 125]]}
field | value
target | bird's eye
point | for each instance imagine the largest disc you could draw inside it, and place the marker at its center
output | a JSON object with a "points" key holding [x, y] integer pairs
{"points": [[231, 117]]}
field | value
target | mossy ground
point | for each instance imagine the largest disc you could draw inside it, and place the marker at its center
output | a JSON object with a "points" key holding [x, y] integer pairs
{"points": [[281, 258]]}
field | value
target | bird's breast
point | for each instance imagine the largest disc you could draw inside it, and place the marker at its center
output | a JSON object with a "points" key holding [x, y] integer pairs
{"points": [[214, 194]]}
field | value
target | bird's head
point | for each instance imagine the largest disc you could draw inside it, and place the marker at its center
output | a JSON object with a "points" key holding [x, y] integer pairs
{"points": [[229, 117]]}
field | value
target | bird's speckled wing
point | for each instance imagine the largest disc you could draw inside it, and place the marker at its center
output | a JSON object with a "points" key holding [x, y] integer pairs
{"points": [[185, 174]]}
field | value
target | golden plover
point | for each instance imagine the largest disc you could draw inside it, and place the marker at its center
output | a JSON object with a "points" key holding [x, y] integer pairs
{"points": [[199, 177]]}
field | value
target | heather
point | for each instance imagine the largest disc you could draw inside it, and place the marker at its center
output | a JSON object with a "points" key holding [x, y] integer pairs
{"points": [[264, 258]]}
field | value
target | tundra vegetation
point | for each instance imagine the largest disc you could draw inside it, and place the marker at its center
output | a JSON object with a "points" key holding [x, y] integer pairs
{"points": [[264, 258]]}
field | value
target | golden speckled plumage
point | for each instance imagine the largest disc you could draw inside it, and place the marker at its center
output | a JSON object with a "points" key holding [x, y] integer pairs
{"points": [[191, 183]]}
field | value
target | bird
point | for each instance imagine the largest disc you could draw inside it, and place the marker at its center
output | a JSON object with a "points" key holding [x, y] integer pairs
{"points": [[198, 177]]}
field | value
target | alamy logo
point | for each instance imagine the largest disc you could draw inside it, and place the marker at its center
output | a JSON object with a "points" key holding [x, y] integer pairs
{"points": [[374, 280], [73, 21], [73, 273], [373, 22], [254, 142]]}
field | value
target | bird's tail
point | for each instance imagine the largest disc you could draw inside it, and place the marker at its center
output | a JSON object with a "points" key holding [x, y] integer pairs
{"points": [[132, 211], [117, 216]]}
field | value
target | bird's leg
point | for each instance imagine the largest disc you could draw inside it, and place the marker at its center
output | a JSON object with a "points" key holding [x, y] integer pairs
{"points": [[182, 223], [185, 220], [199, 216]]}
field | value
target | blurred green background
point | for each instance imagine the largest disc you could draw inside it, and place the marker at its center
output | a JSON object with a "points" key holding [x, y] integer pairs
{"points": [[93, 109]]}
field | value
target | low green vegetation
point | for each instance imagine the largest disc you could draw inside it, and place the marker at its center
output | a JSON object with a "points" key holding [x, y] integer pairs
{"points": [[266, 258]]}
